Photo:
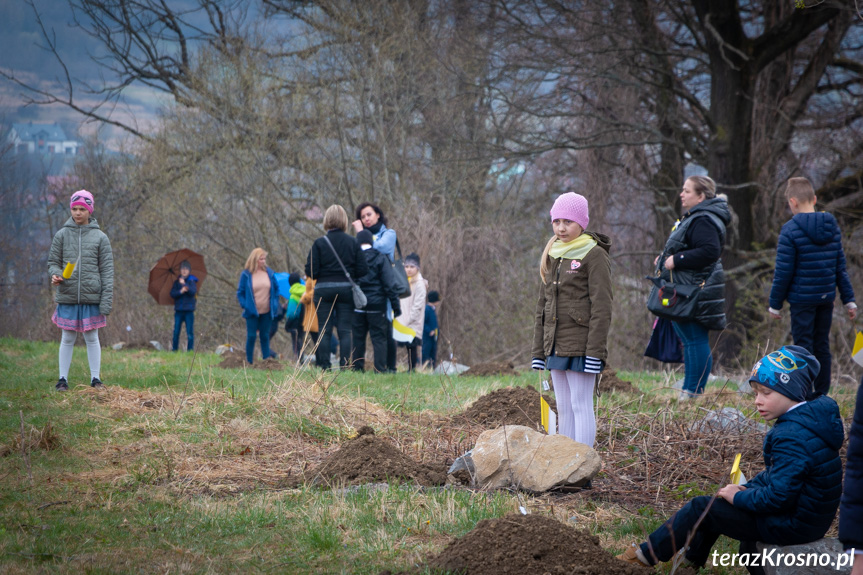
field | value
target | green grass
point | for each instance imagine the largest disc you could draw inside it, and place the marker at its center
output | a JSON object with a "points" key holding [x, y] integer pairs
{"points": [[112, 489]]}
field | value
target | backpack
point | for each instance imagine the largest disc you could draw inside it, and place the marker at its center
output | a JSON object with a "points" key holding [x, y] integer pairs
{"points": [[294, 315]]}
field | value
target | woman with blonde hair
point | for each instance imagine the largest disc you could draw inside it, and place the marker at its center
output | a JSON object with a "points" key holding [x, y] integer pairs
{"points": [[333, 295], [258, 294]]}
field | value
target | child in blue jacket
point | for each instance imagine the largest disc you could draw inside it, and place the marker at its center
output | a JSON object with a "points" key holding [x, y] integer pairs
{"points": [[810, 265], [795, 498], [185, 294]]}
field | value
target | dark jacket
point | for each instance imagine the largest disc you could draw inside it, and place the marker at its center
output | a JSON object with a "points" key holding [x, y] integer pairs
{"points": [[810, 262], [696, 244], [573, 312], [185, 301], [796, 496], [246, 295], [379, 284], [322, 265], [92, 281], [851, 508]]}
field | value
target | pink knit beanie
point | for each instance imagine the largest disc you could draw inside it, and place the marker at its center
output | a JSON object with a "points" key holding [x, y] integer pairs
{"points": [[82, 198], [573, 207]]}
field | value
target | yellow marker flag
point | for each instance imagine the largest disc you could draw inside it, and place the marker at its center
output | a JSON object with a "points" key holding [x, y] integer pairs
{"points": [[737, 477], [857, 351], [67, 271], [548, 417], [403, 333]]}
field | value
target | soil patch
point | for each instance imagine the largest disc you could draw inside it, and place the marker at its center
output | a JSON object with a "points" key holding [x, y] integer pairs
{"points": [[528, 544], [369, 459], [610, 382], [507, 406], [492, 368], [237, 359]]}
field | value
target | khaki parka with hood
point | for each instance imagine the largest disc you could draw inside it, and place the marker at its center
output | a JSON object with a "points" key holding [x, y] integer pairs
{"points": [[573, 313]]}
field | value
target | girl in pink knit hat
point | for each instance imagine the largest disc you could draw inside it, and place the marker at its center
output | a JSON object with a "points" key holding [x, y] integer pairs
{"points": [[573, 314], [81, 266]]}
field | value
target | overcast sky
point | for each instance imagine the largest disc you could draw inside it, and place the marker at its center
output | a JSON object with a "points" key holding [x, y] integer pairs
{"points": [[20, 41]]}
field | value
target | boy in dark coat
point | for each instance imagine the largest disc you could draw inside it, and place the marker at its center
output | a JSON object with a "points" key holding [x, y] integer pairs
{"points": [[185, 294], [851, 508], [380, 289], [810, 265], [793, 501]]}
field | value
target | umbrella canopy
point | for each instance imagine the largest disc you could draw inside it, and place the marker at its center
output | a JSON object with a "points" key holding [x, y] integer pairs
{"points": [[167, 270]]}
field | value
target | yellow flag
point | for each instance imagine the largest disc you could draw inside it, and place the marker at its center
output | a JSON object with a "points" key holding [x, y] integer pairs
{"points": [[857, 352], [737, 477], [549, 417]]}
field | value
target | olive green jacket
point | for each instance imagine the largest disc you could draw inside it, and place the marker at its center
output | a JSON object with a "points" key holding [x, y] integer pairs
{"points": [[92, 281], [573, 313]]}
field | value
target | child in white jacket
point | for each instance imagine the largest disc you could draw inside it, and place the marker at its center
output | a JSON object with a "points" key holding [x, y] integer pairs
{"points": [[414, 309]]}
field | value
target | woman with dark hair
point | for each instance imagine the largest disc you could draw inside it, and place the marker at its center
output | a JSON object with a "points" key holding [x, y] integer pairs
{"points": [[371, 217], [691, 257], [333, 293]]}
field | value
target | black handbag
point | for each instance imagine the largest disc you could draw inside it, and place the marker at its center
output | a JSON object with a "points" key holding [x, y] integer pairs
{"points": [[360, 300], [664, 345], [400, 276], [669, 300]]}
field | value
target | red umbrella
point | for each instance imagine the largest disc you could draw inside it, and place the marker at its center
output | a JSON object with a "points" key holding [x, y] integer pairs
{"points": [[167, 270]]}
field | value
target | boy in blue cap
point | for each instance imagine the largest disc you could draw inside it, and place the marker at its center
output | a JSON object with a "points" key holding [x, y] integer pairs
{"points": [[795, 498]]}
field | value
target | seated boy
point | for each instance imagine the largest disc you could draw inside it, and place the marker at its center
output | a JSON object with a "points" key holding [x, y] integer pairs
{"points": [[795, 498]]}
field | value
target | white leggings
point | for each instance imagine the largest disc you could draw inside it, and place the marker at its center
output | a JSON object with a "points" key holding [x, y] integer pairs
{"points": [[94, 351], [573, 391]]}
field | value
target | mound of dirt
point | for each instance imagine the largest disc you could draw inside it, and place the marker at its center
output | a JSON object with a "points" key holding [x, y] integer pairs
{"points": [[610, 382], [507, 406], [368, 459], [237, 359], [492, 368], [528, 544]]}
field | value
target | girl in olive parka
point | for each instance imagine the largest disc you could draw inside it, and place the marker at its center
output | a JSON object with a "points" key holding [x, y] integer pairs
{"points": [[85, 297], [573, 314]]}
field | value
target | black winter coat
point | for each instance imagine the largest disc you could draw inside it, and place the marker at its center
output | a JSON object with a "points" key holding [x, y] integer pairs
{"points": [[708, 218], [379, 284], [795, 498], [851, 508], [322, 265]]}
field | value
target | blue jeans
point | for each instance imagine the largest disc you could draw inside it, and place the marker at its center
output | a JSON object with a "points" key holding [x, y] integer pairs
{"points": [[721, 519], [810, 326], [187, 317], [259, 324], [696, 355]]}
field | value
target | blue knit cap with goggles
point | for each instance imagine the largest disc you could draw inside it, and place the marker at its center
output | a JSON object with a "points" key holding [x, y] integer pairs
{"points": [[790, 370]]}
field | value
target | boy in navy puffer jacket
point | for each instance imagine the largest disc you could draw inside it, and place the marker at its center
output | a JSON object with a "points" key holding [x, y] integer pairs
{"points": [[795, 498], [810, 265], [185, 294]]}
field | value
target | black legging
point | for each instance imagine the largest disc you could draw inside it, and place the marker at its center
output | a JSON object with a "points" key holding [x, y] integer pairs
{"points": [[334, 300]]}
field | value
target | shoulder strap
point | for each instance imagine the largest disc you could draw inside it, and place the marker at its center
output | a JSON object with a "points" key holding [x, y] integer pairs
{"points": [[338, 259], [399, 249]]}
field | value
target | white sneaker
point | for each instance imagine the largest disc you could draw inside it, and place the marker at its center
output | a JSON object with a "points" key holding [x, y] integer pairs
{"points": [[684, 396]]}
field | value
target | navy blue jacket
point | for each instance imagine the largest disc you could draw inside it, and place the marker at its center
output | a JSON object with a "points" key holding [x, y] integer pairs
{"points": [[379, 284], [796, 497], [246, 295], [185, 301], [810, 262], [851, 510]]}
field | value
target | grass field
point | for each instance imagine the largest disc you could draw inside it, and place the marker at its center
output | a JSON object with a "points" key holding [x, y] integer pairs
{"points": [[183, 467]]}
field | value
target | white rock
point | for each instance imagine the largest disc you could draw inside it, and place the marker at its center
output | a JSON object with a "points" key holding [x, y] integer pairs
{"points": [[450, 368], [514, 456], [728, 419], [118, 346], [157, 345], [815, 552]]}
